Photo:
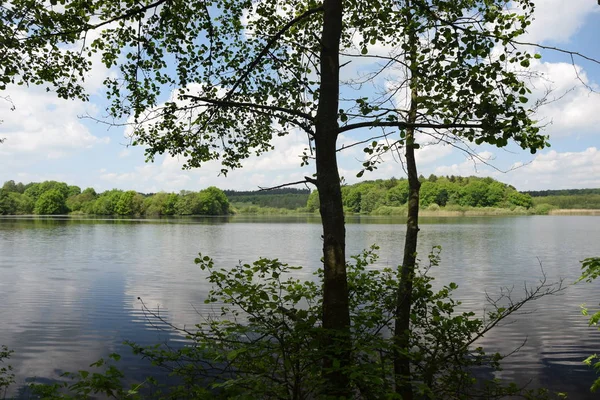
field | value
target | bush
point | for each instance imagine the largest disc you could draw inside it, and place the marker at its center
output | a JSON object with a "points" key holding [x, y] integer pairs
{"points": [[390, 210], [543, 209]]}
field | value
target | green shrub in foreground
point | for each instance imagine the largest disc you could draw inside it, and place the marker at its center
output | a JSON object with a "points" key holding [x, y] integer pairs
{"points": [[264, 340]]}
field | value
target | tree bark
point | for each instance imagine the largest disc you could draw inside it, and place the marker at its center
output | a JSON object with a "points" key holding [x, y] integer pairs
{"points": [[402, 360], [336, 314], [404, 297]]}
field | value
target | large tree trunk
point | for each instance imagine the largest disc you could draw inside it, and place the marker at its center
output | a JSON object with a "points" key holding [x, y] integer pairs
{"points": [[336, 314]]}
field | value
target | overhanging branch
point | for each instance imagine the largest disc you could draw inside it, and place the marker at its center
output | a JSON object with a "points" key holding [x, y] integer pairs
{"points": [[268, 46], [229, 103], [405, 125]]}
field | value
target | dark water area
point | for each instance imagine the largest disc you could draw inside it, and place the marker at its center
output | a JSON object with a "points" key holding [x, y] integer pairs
{"points": [[69, 287]]}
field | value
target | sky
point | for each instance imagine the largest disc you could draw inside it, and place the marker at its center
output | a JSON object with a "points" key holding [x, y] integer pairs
{"points": [[50, 139]]}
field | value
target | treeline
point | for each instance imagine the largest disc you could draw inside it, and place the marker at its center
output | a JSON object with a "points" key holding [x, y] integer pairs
{"points": [[376, 196], [561, 192], [54, 198], [570, 202], [287, 198]]}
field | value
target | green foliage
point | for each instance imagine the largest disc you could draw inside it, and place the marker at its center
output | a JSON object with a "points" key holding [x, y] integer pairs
{"points": [[51, 202], [129, 203], [8, 204], [11, 186], [36, 190], [313, 203], [59, 198], [397, 195], [264, 339], [277, 198], [161, 204], [570, 201], [561, 192], [374, 196], [108, 383], [543, 209], [520, 199], [591, 271], [213, 202], [7, 377]]}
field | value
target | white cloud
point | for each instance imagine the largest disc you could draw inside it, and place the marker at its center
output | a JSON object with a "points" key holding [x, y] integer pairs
{"points": [[549, 170], [276, 167], [558, 20], [571, 107], [556, 170], [43, 126], [470, 166]]}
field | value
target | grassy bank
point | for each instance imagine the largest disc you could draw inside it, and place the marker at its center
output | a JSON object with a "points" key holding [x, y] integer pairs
{"points": [[431, 211], [571, 201], [457, 211], [580, 211]]}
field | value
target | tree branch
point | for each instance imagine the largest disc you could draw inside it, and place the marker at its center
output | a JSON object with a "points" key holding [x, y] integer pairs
{"points": [[305, 181], [404, 125], [228, 103], [268, 46]]}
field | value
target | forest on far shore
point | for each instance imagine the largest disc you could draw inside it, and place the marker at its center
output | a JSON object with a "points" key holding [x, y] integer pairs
{"points": [[379, 197]]}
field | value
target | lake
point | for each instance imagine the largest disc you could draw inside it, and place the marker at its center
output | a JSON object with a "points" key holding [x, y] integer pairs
{"points": [[69, 287]]}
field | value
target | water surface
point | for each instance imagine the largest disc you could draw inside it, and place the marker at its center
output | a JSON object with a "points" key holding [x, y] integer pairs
{"points": [[69, 287]]}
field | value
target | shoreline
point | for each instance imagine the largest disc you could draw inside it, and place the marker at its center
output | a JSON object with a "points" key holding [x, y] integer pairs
{"points": [[575, 211]]}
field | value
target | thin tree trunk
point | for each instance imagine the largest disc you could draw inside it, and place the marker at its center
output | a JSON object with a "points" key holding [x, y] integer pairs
{"points": [[404, 300], [336, 314]]}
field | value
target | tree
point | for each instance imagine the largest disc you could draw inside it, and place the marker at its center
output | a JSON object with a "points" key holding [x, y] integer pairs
{"points": [[398, 195], [312, 204], [246, 71], [51, 202], [213, 202], [129, 203], [8, 204]]}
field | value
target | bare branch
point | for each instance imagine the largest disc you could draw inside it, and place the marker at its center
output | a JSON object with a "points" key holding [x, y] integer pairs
{"points": [[305, 181], [228, 103], [405, 125]]}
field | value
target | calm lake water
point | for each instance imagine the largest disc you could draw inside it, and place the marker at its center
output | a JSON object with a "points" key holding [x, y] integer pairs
{"points": [[69, 286]]}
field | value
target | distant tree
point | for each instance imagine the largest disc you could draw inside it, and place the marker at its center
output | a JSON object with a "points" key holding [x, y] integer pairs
{"points": [[213, 202], [35, 190], [73, 191], [90, 192], [10, 186], [106, 203], [372, 198], [398, 195], [51, 202], [312, 204], [519, 199], [188, 203], [8, 205], [129, 203], [161, 204]]}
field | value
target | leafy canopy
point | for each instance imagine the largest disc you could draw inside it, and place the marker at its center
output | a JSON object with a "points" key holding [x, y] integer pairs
{"points": [[219, 78]]}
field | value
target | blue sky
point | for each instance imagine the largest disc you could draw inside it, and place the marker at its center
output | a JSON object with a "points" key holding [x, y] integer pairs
{"points": [[46, 138]]}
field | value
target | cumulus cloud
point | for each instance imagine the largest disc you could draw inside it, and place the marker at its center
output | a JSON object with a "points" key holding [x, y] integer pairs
{"points": [[43, 126], [548, 170], [276, 167], [559, 170], [571, 107], [558, 20]]}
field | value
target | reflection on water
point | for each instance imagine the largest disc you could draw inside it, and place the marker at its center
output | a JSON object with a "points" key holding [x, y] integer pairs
{"points": [[69, 286]]}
